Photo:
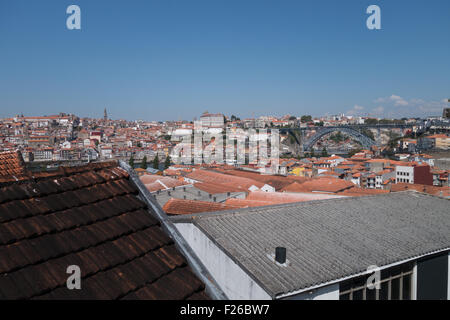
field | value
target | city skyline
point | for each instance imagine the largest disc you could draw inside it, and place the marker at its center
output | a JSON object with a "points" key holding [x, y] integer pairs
{"points": [[173, 60]]}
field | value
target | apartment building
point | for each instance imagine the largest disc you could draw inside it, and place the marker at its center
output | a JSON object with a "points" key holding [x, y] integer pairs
{"points": [[209, 120], [413, 173]]}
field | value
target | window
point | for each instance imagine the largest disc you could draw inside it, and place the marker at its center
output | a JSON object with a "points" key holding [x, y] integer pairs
{"points": [[395, 284]]}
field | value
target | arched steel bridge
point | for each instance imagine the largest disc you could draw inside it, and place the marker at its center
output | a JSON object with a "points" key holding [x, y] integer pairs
{"points": [[365, 141]]}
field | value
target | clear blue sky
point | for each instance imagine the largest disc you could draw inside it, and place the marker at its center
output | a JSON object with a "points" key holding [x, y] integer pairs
{"points": [[166, 59]]}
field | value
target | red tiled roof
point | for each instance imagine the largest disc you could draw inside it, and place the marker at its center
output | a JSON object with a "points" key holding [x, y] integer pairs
{"points": [[215, 177], [278, 182], [182, 206], [246, 203], [282, 197], [155, 182], [215, 188], [327, 184], [357, 191], [434, 190], [89, 216], [12, 166], [295, 187]]}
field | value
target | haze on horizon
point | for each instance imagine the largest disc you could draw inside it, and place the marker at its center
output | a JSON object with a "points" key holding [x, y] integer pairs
{"points": [[171, 60]]}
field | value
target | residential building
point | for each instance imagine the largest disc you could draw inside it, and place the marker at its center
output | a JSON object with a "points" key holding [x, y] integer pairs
{"points": [[327, 249], [413, 173], [209, 120]]}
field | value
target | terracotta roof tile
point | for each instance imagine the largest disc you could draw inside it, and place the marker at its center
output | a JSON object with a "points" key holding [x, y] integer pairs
{"points": [[12, 166], [181, 206], [88, 216]]}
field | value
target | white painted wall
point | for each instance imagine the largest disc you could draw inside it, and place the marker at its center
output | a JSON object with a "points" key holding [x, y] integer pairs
{"points": [[236, 283], [400, 173], [330, 292]]}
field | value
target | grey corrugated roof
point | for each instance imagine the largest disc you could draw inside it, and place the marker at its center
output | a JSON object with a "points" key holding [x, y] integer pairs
{"points": [[329, 239]]}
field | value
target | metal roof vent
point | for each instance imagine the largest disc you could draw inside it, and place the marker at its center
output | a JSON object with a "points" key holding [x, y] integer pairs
{"points": [[280, 255]]}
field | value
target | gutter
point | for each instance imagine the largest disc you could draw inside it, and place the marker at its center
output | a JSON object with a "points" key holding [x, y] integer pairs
{"points": [[211, 286]]}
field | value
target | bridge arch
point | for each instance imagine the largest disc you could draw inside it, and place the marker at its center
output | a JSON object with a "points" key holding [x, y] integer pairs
{"points": [[365, 141]]}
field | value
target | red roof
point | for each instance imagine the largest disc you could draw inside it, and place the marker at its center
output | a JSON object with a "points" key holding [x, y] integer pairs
{"points": [[182, 206], [283, 197], [214, 188], [215, 177], [12, 166], [155, 182], [434, 190]]}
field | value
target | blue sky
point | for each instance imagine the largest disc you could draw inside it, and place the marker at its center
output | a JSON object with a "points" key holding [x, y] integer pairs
{"points": [[174, 59]]}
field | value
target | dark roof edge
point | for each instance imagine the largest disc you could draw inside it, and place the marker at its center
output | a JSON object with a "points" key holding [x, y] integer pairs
{"points": [[383, 267], [212, 288]]}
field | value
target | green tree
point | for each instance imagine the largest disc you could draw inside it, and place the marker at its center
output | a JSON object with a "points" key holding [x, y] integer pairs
{"points": [[353, 152], [156, 162], [368, 133], [371, 121], [144, 163], [131, 162], [306, 119], [312, 153], [167, 162], [324, 152]]}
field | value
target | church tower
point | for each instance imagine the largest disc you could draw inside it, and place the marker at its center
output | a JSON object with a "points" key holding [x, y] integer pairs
{"points": [[105, 115]]}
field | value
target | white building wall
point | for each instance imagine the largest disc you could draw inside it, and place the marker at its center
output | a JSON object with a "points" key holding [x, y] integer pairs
{"points": [[234, 282], [406, 173], [330, 292]]}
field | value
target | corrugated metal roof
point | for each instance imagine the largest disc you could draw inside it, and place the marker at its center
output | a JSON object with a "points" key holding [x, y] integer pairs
{"points": [[329, 239]]}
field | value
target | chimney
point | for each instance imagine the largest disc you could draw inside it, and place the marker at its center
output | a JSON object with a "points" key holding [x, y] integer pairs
{"points": [[280, 255]]}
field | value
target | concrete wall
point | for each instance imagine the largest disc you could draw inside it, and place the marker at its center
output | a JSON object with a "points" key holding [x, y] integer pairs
{"points": [[236, 283]]}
